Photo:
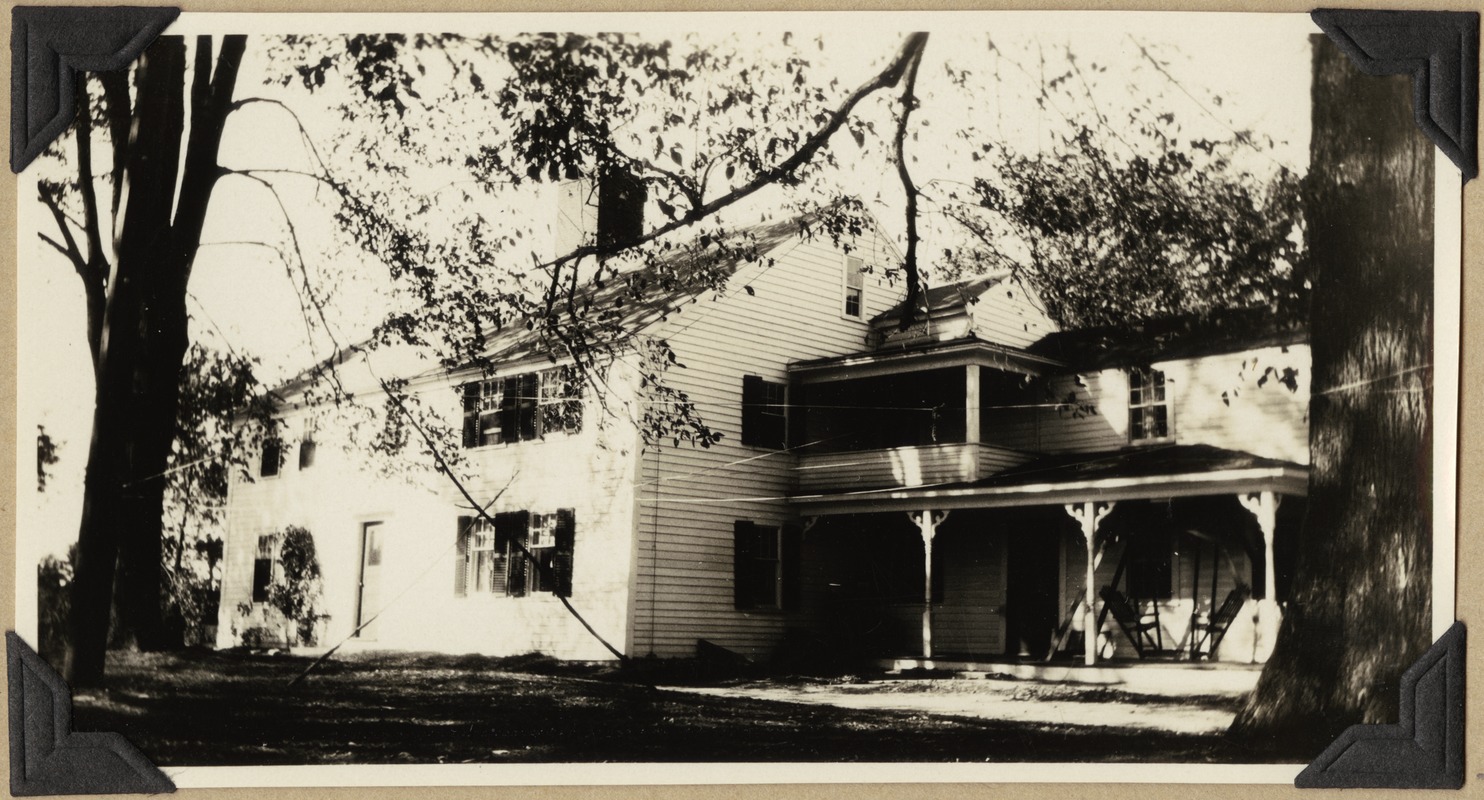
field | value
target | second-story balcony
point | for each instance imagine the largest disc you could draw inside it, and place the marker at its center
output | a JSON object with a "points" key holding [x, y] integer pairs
{"points": [[944, 414]]}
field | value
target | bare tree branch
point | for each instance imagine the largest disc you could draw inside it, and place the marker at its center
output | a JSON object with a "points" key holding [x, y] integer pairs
{"points": [[910, 53], [95, 258], [116, 99], [909, 262], [53, 242], [79, 263]]}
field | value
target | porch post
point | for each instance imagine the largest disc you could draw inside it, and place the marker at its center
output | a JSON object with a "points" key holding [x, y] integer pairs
{"points": [[927, 524], [1264, 506], [1090, 515], [971, 404]]}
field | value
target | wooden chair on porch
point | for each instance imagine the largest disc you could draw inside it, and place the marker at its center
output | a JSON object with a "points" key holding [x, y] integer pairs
{"points": [[1140, 632], [1206, 634]]}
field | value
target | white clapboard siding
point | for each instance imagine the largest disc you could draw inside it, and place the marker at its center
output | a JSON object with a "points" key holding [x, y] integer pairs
{"points": [[690, 498], [1007, 313], [592, 473], [904, 466], [1216, 400]]}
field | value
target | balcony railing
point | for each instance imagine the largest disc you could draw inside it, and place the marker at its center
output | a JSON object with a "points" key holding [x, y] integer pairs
{"points": [[905, 466]]}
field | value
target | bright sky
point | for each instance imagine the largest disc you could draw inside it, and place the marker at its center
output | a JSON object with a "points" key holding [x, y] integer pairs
{"points": [[1257, 65]]}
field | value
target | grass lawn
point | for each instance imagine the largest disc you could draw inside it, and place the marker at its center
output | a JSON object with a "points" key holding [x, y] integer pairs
{"points": [[205, 708]]}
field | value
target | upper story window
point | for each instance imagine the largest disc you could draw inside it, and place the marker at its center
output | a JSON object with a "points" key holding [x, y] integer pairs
{"points": [[764, 413], [518, 408], [1148, 406], [306, 446], [520, 554], [855, 287], [272, 458]]}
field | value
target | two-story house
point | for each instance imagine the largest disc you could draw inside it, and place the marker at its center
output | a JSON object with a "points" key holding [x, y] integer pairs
{"points": [[980, 484]]}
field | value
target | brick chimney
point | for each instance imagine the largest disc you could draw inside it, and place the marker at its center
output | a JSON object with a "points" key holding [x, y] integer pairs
{"points": [[603, 211]]}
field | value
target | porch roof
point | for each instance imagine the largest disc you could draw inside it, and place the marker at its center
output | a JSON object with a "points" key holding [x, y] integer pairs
{"points": [[1132, 473], [933, 355]]}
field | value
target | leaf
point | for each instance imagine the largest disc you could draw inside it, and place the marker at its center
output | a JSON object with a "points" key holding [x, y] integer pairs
{"points": [[750, 291]]}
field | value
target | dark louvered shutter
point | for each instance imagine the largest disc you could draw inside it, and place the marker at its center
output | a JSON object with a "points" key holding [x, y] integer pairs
{"points": [[461, 558], [621, 199], [790, 553], [471, 414], [530, 390], [511, 529], [510, 409], [744, 549], [561, 557], [752, 408]]}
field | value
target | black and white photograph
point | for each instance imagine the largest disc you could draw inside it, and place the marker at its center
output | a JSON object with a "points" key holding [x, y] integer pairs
{"points": [[429, 399]]}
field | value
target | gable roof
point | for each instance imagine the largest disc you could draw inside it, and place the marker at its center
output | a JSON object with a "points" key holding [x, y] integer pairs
{"points": [[1185, 336], [938, 300], [636, 299]]}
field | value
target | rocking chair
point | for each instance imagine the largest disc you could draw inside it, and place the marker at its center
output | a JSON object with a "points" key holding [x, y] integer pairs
{"points": [[1141, 633], [1208, 633]]}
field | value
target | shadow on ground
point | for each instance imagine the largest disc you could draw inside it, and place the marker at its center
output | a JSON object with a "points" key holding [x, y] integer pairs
{"points": [[207, 708]]}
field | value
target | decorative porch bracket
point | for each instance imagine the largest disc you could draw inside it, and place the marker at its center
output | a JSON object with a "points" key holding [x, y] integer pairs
{"points": [[1090, 515], [927, 524], [1264, 506]]}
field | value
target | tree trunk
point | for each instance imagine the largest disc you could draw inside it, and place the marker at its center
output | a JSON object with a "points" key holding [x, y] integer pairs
{"points": [[1361, 612], [142, 349]]}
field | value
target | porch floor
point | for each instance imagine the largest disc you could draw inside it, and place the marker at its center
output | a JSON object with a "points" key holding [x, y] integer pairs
{"points": [[1169, 678]]}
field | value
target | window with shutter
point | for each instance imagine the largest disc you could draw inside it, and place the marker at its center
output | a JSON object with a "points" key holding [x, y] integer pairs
{"points": [[272, 458], [520, 554], [518, 408], [511, 533], [764, 413], [563, 551]]}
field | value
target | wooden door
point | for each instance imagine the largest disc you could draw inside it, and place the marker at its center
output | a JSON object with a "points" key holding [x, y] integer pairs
{"points": [[369, 599]]}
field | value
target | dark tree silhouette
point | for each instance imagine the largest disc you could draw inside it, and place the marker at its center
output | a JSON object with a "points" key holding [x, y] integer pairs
{"points": [[1361, 605], [136, 319]]}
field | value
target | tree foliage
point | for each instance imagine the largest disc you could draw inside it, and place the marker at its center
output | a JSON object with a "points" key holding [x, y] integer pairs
{"points": [[297, 587], [1130, 219]]}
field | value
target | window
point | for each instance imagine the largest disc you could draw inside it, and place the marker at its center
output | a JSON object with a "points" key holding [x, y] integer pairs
{"points": [[855, 287], [1148, 406], [262, 567], [519, 408], [559, 401], [306, 452], [764, 413], [272, 458], [521, 553], [765, 566]]}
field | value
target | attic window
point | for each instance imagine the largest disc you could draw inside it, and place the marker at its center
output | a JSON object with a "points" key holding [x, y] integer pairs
{"points": [[855, 287]]}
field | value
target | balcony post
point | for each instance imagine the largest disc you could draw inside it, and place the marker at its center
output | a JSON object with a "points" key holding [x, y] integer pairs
{"points": [[927, 524], [1264, 506], [972, 433], [1089, 516]]}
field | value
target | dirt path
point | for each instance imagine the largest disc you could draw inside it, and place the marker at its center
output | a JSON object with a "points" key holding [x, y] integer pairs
{"points": [[1008, 701]]}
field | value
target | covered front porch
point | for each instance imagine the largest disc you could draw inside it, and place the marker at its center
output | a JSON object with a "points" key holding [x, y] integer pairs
{"points": [[1157, 554]]}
